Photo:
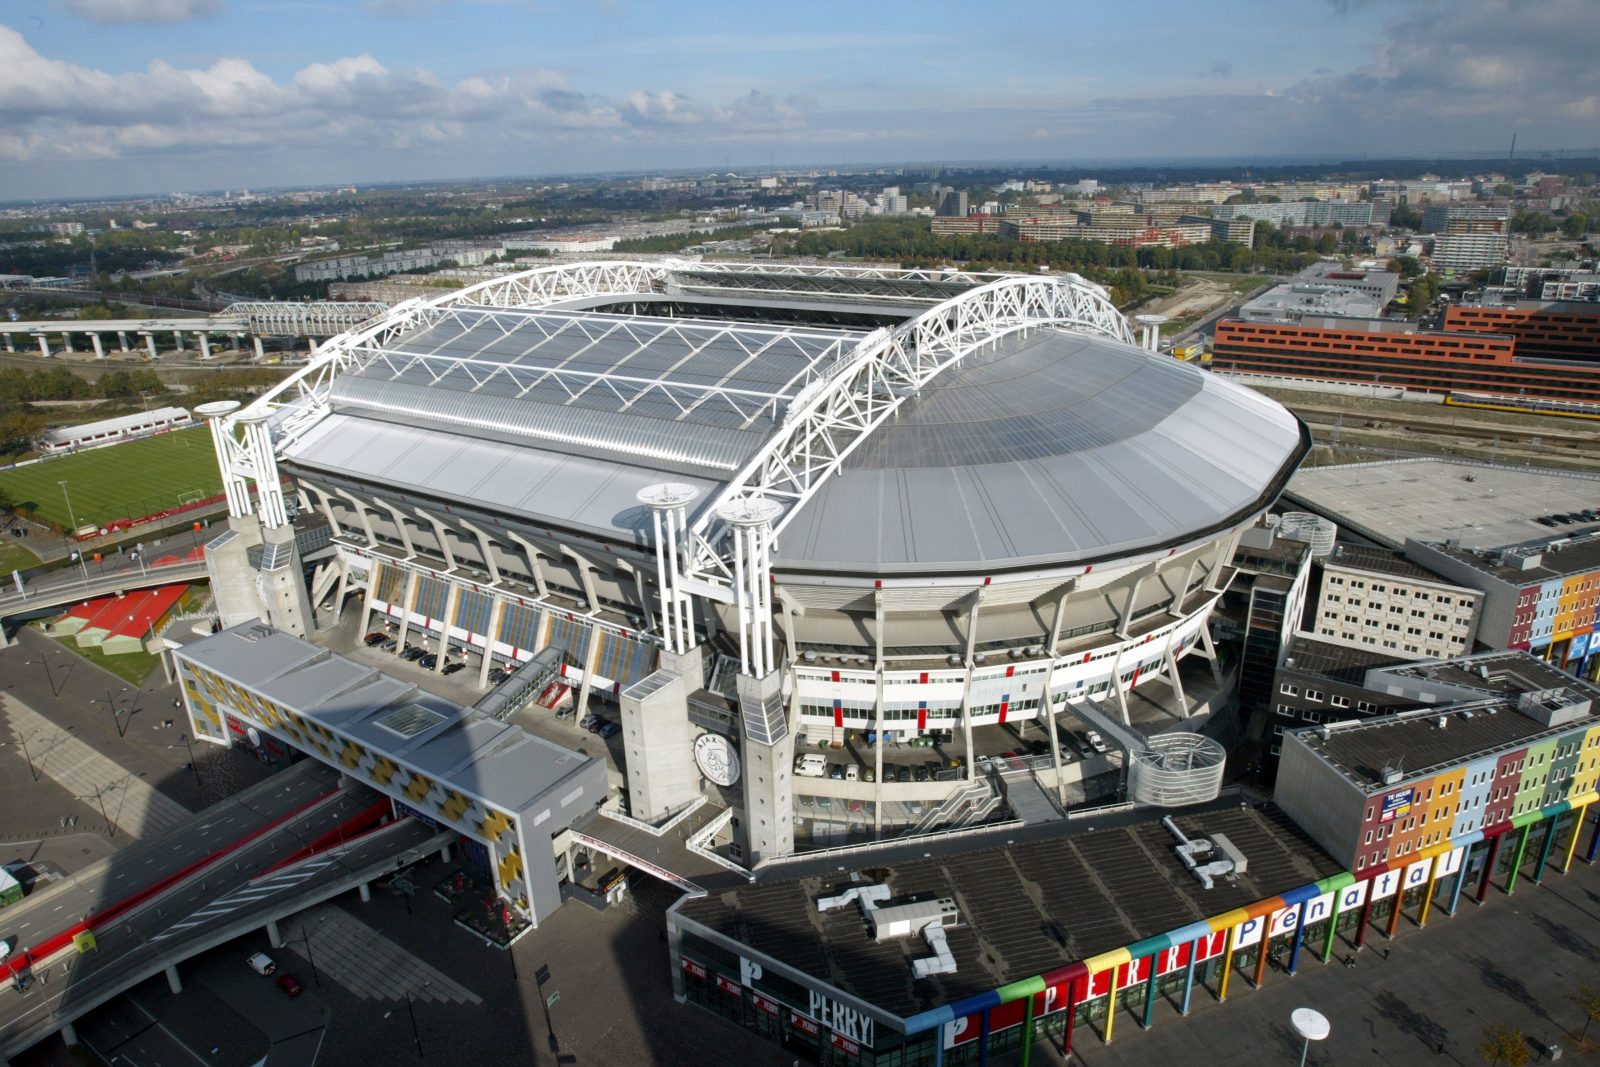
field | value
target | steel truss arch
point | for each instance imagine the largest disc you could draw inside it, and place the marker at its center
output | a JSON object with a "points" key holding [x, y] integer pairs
{"points": [[319, 318], [832, 417]]}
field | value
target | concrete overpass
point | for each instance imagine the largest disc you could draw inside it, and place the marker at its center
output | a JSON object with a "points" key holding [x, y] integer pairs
{"points": [[256, 319], [258, 872], [73, 585]]}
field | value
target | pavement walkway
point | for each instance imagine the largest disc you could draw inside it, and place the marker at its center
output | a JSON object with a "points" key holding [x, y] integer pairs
{"points": [[132, 806], [365, 962]]}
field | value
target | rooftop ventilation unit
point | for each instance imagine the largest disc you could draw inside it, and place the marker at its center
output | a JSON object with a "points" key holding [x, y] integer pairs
{"points": [[930, 918], [1208, 858]]}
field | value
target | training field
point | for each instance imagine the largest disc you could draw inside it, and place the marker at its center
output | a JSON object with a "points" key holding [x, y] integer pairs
{"points": [[125, 481]]}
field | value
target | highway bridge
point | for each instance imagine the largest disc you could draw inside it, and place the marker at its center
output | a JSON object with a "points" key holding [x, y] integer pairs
{"points": [[253, 319], [292, 841], [58, 589]]}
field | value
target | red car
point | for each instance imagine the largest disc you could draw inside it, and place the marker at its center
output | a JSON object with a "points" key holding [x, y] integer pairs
{"points": [[290, 987]]}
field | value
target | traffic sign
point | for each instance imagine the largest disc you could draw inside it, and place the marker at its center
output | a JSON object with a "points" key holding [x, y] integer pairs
{"points": [[542, 975], [553, 999]]}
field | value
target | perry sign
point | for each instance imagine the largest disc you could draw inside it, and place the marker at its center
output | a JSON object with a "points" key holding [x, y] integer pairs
{"points": [[1054, 997]]}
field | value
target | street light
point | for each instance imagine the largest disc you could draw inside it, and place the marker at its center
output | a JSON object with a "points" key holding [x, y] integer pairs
{"points": [[1311, 1025], [193, 766], [73, 518], [44, 661]]}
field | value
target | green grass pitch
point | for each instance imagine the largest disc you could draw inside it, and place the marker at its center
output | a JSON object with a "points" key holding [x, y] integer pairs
{"points": [[124, 481]]}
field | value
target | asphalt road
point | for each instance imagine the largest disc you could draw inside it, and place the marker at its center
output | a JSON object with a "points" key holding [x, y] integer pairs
{"points": [[65, 981]]}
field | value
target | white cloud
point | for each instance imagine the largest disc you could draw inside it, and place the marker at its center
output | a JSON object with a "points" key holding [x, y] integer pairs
{"points": [[114, 12], [53, 110]]}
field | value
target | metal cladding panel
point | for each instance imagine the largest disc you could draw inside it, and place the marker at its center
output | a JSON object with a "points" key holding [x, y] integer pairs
{"points": [[595, 495], [1046, 449], [594, 428]]}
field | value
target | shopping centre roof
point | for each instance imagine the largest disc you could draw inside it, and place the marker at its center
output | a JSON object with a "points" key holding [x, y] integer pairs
{"points": [[1024, 909]]}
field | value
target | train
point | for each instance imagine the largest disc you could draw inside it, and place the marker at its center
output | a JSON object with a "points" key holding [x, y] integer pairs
{"points": [[1525, 405]]}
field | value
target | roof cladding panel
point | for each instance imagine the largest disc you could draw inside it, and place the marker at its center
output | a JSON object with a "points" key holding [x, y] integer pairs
{"points": [[1047, 448], [700, 396], [593, 495]]}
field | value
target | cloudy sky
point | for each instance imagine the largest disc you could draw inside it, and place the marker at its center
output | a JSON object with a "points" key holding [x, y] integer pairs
{"points": [[134, 96]]}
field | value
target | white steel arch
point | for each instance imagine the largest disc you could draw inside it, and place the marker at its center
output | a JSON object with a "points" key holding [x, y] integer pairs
{"points": [[829, 419], [821, 426], [320, 318]]}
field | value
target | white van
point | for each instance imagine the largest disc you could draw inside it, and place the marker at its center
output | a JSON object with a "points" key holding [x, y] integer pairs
{"points": [[811, 765]]}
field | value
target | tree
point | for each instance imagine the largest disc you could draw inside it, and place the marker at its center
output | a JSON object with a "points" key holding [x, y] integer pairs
{"points": [[1587, 998], [1575, 225], [1406, 266], [1423, 291], [1504, 1045]]}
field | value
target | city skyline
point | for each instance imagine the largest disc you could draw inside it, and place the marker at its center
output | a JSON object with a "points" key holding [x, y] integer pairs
{"points": [[102, 97]]}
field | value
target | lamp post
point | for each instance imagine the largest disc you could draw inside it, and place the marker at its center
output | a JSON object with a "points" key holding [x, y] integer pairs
{"points": [[23, 741], [73, 518], [305, 939], [193, 766], [44, 661], [111, 831], [1311, 1025]]}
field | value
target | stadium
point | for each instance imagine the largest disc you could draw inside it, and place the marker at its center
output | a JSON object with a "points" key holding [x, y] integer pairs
{"points": [[759, 512]]}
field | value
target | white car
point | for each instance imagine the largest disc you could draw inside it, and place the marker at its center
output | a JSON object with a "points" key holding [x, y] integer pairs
{"points": [[1096, 742], [852, 773], [261, 963], [7, 946]]}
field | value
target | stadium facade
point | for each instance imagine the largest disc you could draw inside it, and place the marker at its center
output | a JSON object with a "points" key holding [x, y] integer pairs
{"points": [[763, 508]]}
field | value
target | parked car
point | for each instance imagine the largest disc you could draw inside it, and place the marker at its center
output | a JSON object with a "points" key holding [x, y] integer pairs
{"points": [[852, 773], [376, 637], [451, 668], [7, 946], [387, 644], [1096, 742], [868, 774], [428, 661], [290, 987], [807, 800], [921, 773], [413, 653], [836, 771], [853, 807], [933, 767], [456, 650], [590, 722], [608, 729], [261, 963], [498, 675], [565, 712], [902, 774]]}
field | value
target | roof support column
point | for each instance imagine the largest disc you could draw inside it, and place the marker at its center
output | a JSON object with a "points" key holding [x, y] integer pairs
{"points": [[586, 569], [975, 603], [452, 599], [1172, 676], [399, 525], [496, 613], [486, 547], [668, 503], [223, 443], [877, 710], [443, 537], [1175, 606], [408, 597], [751, 522], [1211, 653], [361, 514], [532, 555]]}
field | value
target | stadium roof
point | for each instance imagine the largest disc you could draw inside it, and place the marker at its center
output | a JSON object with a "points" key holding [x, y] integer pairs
{"points": [[1044, 443]]}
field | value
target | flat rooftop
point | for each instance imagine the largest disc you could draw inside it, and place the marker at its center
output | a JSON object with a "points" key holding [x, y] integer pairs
{"points": [[464, 749], [1293, 301], [1380, 561], [1557, 557], [1492, 674], [1480, 505], [1027, 908], [1336, 662], [1363, 749]]}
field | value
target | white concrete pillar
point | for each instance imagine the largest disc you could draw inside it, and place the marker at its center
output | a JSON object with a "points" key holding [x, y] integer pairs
{"points": [[177, 339], [365, 889], [451, 600], [445, 854], [99, 346], [11, 344], [122, 340], [260, 354], [496, 613], [174, 983], [274, 935], [44, 346], [66, 340], [205, 347], [150, 343], [69, 1036]]}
